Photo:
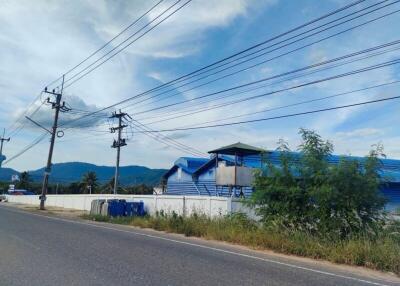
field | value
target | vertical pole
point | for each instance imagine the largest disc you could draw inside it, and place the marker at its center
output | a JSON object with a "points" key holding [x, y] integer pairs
{"points": [[116, 177], [216, 170], [52, 141], [236, 157], [2, 139], [1, 147]]}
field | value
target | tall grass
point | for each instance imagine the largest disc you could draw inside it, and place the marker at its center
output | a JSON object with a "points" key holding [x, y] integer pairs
{"points": [[381, 252]]}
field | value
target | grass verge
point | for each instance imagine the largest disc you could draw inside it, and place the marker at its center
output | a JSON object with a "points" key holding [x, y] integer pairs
{"points": [[381, 252]]}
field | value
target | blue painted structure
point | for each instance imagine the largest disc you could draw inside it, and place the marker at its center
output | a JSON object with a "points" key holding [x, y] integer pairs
{"points": [[184, 179], [197, 176]]}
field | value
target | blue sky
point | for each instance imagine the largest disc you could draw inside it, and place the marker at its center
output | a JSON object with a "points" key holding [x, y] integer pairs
{"points": [[54, 36]]}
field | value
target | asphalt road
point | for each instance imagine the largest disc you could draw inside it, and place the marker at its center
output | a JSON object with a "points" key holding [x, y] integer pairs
{"points": [[40, 250]]}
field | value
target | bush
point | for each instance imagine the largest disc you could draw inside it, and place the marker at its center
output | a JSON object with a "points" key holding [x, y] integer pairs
{"points": [[305, 193]]}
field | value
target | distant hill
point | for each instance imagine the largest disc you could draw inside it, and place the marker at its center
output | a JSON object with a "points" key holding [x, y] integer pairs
{"points": [[6, 173], [73, 172]]}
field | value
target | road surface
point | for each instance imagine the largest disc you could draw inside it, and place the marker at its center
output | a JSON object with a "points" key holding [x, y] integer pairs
{"points": [[40, 250]]}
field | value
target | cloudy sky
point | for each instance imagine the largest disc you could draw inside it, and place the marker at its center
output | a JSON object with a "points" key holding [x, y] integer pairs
{"points": [[41, 40]]}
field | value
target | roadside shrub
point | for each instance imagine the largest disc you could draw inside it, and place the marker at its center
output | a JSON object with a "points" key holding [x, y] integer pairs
{"points": [[305, 193], [377, 252]]}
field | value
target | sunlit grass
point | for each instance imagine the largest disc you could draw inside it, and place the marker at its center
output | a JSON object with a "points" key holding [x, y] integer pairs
{"points": [[380, 252]]}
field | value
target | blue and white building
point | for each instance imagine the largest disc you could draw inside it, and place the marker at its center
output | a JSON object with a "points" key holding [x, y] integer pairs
{"points": [[229, 172]]}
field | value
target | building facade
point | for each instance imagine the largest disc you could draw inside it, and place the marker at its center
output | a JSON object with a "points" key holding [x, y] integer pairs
{"points": [[229, 172]]}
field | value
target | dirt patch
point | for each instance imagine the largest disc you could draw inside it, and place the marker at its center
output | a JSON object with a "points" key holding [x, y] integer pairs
{"points": [[67, 213]]}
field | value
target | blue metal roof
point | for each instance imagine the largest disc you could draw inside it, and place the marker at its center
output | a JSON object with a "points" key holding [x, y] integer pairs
{"points": [[190, 165], [187, 164], [390, 169]]}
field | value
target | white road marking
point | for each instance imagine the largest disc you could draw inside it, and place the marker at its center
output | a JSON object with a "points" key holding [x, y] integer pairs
{"points": [[207, 247]]}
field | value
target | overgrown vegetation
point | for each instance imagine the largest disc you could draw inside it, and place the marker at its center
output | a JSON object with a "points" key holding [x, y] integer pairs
{"points": [[381, 252], [306, 193], [308, 207]]}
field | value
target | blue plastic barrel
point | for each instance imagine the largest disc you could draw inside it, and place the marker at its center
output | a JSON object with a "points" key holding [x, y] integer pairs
{"points": [[115, 208], [129, 208]]}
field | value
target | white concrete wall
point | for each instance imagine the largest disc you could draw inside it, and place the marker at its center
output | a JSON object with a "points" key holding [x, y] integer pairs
{"points": [[239, 207], [182, 205]]}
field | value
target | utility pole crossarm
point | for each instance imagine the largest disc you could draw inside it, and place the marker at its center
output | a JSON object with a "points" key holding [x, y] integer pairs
{"points": [[113, 129]]}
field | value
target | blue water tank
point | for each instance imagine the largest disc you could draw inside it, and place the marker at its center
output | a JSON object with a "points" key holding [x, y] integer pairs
{"points": [[116, 207], [134, 209], [129, 209]]}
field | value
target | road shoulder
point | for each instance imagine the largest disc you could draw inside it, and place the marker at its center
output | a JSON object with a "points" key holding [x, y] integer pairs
{"points": [[380, 278]]}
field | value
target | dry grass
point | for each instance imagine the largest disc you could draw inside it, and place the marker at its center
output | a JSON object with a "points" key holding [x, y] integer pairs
{"points": [[380, 252]]}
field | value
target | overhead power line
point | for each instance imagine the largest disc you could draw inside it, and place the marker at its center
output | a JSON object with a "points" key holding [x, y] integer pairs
{"points": [[89, 70], [197, 110], [175, 88], [278, 117], [298, 103], [212, 65], [91, 114], [78, 65], [364, 23], [227, 58], [107, 43], [194, 108], [203, 106], [353, 72], [27, 148], [167, 140], [226, 62], [17, 129]]}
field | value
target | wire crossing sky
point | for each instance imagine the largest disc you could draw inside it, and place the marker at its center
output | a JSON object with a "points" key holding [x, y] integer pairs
{"points": [[209, 72]]}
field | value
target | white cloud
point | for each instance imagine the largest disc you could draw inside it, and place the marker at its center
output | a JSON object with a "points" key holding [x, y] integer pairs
{"points": [[70, 30], [155, 75], [53, 36], [360, 133]]}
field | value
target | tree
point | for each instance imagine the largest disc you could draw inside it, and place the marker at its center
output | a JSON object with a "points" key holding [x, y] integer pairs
{"points": [[74, 188], [307, 193], [89, 182], [24, 181], [141, 189]]}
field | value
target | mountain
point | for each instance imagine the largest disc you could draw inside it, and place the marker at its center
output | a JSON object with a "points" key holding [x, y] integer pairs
{"points": [[73, 172], [6, 173]]}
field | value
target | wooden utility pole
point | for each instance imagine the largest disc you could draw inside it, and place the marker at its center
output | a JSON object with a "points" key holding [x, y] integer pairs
{"points": [[120, 142]]}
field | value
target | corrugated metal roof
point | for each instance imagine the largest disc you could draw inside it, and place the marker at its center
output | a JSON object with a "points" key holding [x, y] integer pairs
{"points": [[390, 169], [188, 164], [191, 164]]}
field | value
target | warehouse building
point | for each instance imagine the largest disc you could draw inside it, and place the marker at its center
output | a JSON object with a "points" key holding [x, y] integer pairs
{"points": [[229, 172]]}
